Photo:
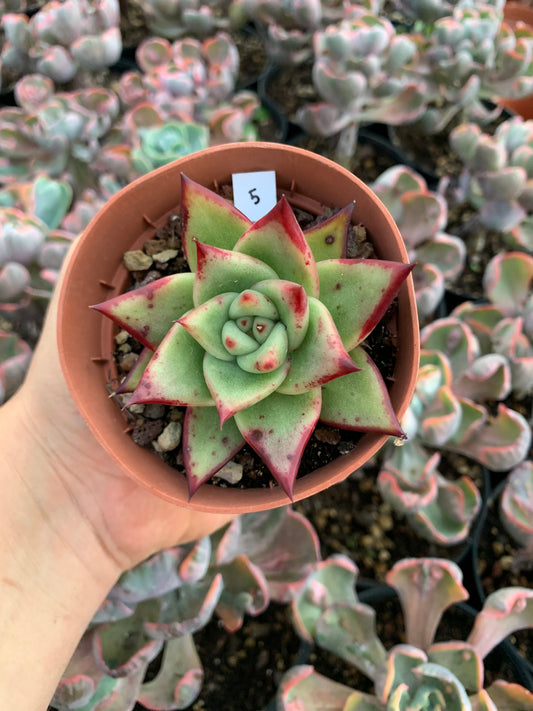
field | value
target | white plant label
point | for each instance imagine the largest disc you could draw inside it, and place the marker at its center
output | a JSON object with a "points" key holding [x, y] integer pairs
{"points": [[254, 194]]}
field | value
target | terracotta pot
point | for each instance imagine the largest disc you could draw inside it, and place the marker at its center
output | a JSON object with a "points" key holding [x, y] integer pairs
{"points": [[513, 14], [95, 273]]}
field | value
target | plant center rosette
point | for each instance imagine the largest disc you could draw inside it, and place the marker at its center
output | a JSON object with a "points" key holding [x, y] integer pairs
{"points": [[263, 338]]}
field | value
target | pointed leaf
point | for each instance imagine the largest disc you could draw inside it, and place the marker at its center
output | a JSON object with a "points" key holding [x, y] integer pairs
{"points": [[277, 240], [278, 428], [148, 313], [206, 322], [206, 445], [209, 218], [426, 587], [270, 355], [219, 271], [329, 239], [133, 378], [174, 375], [291, 303], [321, 355], [357, 292], [179, 680], [233, 389], [360, 401]]}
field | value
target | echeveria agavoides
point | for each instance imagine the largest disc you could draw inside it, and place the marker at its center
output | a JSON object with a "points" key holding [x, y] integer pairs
{"points": [[263, 339]]}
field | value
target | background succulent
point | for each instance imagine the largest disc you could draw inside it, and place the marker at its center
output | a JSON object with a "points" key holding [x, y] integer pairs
{"points": [[419, 673]]}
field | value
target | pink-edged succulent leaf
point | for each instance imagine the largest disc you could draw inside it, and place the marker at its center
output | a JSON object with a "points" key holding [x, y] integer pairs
{"points": [[116, 693], [427, 684], [403, 659], [329, 239], [304, 689], [510, 339], [422, 215], [152, 578], [360, 400], [133, 378], [321, 357], [278, 241], [190, 612], [113, 656], [446, 252], [195, 564], [331, 582], [206, 322], [504, 612], [507, 281], [291, 303], [441, 418], [245, 591], [221, 270], [179, 679], [488, 378], [429, 288], [426, 588], [148, 312], [350, 633], [447, 519], [357, 293], [234, 389], [454, 339], [174, 374], [206, 445], [473, 418], [509, 696], [209, 218], [500, 443], [278, 428], [516, 503], [407, 481], [462, 660]]}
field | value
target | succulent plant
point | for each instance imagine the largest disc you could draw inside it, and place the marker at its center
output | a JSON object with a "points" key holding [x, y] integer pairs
{"points": [[468, 57], [15, 355], [57, 134], [362, 73], [516, 505], [505, 325], [177, 18], [286, 28], [63, 40], [419, 674], [497, 177], [265, 334], [159, 605], [162, 144], [421, 215], [449, 412], [31, 245]]}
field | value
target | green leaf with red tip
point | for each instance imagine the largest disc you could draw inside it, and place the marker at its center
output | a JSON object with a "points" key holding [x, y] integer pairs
{"points": [[278, 428], [234, 389], [358, 292], [252, 303], [291, 302], [206, 322], [174, 374], [134, 376], [269, 356], [277, 240], [147, 313], [360, 401], [329, 239], [208, 217], [321, 355], [236, 341], [206, 445], [220, 270]]}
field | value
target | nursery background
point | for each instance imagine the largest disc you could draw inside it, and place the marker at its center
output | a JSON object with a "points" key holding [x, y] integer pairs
{"points": [[410, 584]]}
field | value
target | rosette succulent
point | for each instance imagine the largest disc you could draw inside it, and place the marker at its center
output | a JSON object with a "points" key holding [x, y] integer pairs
{"points": [[263, 337]]}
